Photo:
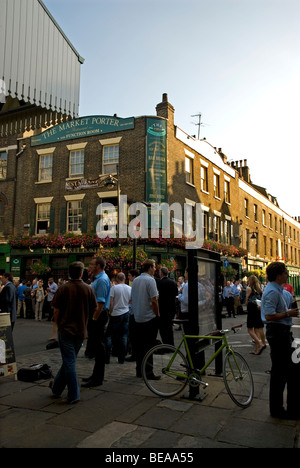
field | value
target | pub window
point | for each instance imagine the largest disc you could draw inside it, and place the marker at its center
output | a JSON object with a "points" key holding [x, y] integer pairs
{"points": [[204, 179], [3, 165], [217, 185], [189, 170], [226, 191], [45, 167], [271, 247], [2, 211], [76, 163], [217, 228], [110, 159], [246, 207], [205, 224], [227, 230], [74, 216], [42, 218], [255, 212]]}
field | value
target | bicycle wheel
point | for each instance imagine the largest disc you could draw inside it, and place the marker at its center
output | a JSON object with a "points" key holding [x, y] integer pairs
{"points": [[164, 372], [238, 379]]}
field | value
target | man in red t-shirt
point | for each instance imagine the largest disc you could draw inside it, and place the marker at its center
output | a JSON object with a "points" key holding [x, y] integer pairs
{"points": [[288, 287]]}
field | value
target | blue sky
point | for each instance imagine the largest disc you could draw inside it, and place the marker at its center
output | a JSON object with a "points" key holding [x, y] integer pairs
{"points": [[234, 61]]}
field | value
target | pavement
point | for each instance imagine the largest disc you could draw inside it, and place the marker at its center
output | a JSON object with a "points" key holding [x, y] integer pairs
{"points": [[123, 414]]}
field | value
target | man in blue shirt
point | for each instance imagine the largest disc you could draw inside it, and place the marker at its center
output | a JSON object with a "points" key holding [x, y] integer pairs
{"points": [[228, 298], [21, 300], [97, 322], [277, 315]]}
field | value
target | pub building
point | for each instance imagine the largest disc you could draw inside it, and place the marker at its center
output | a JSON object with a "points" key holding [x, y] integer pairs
{"points": [[67, 173]]}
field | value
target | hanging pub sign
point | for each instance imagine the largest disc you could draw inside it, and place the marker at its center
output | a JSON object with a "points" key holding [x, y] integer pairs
{"points": [[8, 364], [83, 127]]}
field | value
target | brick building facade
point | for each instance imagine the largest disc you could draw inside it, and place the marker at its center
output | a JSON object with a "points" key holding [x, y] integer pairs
{"points": [[52, 183]]}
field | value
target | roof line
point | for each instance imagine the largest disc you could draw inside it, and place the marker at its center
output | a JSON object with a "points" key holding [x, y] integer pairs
{"points": [[80, 59]]}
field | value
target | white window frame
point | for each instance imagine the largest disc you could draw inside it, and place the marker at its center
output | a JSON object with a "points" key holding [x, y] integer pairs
{"points": [[78, 148], [105, 143], [226, 190], [45, 154], [39, 203], [74, 199], [112, 153], [216, 178]]}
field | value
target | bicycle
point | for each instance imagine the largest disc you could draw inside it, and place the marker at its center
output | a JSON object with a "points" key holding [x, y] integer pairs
{"points": [[166, 370]]}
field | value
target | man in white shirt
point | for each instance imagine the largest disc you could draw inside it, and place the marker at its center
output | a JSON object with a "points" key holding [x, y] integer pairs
{"points": [[146, 312], [117, 330]]}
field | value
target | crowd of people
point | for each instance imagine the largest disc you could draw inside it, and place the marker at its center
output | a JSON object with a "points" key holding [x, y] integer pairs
{"points": [[118, 319]]}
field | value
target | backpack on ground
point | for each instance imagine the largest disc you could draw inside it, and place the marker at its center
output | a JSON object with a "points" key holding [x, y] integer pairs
{"points": [[34, 372]]}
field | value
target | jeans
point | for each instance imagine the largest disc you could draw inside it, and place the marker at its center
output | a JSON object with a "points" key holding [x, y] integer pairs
{"points": [[66, 376], [116, 336]]}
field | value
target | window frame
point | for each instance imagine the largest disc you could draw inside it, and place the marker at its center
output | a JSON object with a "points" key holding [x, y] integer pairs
{"points": [[3, 167], [41, 219], [80, 215], [189, 171], [216, 179], [111, 162], [46, 169], [204, 178], [81, 152], [227, 192]]}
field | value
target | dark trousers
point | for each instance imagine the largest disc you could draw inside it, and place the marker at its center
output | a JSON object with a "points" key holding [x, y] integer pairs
{"points": [[229, 303], [166, 330], [131, 346], [116, 336], [284, 371], [146, 334], [96, 345]]}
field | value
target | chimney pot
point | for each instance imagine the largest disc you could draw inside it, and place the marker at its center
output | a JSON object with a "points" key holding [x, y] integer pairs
{"points": [[165, 97]]}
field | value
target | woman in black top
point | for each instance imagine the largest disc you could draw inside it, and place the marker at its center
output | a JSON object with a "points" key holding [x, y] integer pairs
{"points": [[254, 322]]}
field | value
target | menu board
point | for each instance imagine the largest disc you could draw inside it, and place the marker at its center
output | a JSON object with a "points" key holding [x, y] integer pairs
{"points": [[8, 364]]}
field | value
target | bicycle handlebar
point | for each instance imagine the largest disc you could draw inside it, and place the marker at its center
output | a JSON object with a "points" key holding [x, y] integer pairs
{"points": [[214, 332]]}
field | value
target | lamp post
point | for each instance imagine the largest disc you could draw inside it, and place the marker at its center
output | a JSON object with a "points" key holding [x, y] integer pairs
{"points": [[134, 246], [111, 182]]}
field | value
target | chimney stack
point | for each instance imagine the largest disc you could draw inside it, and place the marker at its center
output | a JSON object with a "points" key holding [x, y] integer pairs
{"points": [[165, 109]]}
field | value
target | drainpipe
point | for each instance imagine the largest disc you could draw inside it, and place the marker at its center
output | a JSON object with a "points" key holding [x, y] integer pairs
{"points": [[15, 188]]}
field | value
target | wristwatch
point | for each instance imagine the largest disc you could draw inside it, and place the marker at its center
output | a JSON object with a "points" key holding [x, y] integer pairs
{"points": [[287, 314]]}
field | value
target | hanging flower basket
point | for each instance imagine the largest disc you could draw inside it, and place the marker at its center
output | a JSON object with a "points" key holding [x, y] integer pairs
{"points": [[121, 258], [168, 263], [40, 269]]}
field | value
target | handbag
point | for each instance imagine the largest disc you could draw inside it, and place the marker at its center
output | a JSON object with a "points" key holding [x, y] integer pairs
{"points": [[254, 297]]}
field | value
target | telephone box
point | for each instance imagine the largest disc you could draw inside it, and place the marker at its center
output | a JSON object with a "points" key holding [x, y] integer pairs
{"points": [[205, 305]]}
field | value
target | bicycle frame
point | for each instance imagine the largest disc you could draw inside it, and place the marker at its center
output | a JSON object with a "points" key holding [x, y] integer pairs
{"points": [[184, 341], [167, 379]]}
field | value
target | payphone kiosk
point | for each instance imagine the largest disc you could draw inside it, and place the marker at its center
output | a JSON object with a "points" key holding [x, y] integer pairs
{"points": [[204, 306]]}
